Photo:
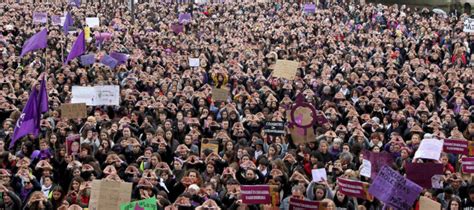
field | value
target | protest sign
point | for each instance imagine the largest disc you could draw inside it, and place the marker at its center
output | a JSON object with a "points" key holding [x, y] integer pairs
{"points": [[309, 8], [319, 174], [429, 149], [255, 194], [108, 195], [366, 168], [184, 18], [56, 20], [73, 111], [456, 146], [146, 204], [354, 188], [40, 17], [213, 147], [73, 144], [88, 59], [428, 204], [437, 181], [109, 61], [285, 69], [274, 128], [92, 22], [194, 62], [96, 96], [469, 25], [393, 189], [219, 94], [467, 165], [177, 28], [297, 204], [377, 160], [421, 173]]}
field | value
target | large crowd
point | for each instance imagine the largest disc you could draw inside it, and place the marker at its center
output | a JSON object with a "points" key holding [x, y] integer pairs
{"points": [[384, 76]]}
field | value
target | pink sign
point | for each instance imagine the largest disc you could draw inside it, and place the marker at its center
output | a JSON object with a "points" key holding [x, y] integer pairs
{"points": [[468, 165], [456, 146], [297, 204], [255, 194]]}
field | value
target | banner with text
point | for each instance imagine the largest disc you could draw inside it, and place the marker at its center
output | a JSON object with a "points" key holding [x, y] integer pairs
{"points": [[456, 146], [354, 188], [255, 194]]}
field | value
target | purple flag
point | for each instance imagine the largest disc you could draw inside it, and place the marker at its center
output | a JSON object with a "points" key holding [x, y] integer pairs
{"points": [[43, 97], [184, 18], [87, 59], [120, 57], [29, 121], [109, 61], [37, 41], [177, 28], [68, 21], [78, 48]]}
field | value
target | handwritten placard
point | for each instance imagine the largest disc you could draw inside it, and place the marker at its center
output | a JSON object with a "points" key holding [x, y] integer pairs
{"points": [[285, 69], [73, 111]]}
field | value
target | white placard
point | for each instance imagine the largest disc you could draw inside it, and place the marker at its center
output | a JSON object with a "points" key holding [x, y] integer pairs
{"points": [[437, 181], [319, 174], [96, 96], [429, 149], [83, 95], [469, 25], [366, 168], [93, 22], [194, 62]]}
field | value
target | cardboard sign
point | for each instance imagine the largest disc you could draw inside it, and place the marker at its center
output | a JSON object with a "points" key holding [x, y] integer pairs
{"points": [[468, 165], [73, 144], [421, 173], [297, 204], [471, 148], [108, 195], [73, 111], [147, 204], [469, 25], [219, 94], [286, 69], [353, 188], [394, 190], [92, 22], [213, 147], [377, 160], [429, 149], [274, 128], [255, 194], [456, 146], [428, 204], [96, 96], [40, 17]]}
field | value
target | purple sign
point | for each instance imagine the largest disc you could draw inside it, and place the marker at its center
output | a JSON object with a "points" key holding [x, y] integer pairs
{"points": [[177, 28], [56, 20], [255, 194], [377, 160], [88, 59], [309, 8], [184, 18], [109, 61], [421, 173], [394, 190], [40, 17]]}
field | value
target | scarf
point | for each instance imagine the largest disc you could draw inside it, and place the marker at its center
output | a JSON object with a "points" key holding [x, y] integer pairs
{"points": [[46, 190]]}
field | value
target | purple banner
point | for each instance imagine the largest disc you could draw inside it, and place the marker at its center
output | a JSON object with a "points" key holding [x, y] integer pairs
{"points": [[184, 18], [309, 8], [468, 165], [56, 20], [377, 160], [255, 194], [88, 59], [421, 173], [456, 146]]}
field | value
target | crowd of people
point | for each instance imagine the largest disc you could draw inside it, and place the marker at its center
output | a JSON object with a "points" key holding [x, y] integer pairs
{"points": [[384, 76]]}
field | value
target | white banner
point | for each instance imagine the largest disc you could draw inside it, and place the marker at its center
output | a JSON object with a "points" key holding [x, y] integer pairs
{"points": [[96, 96]]}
